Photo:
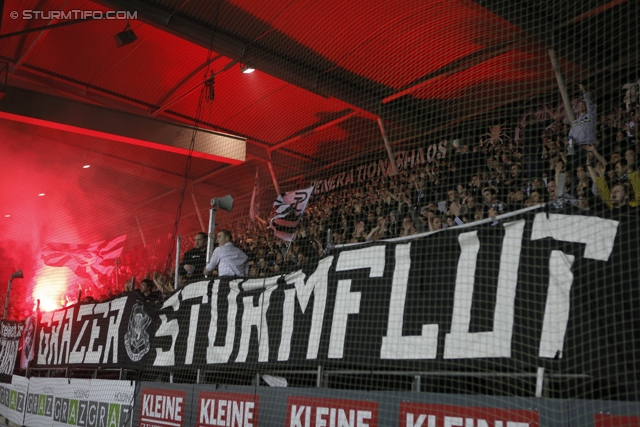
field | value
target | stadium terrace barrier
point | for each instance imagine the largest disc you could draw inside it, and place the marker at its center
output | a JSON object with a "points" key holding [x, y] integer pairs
{"points": [[41, 402]]}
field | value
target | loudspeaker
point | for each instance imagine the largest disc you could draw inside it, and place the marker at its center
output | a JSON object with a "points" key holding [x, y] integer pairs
{"points": [[225, 203], [125, 37], [17, 275]]}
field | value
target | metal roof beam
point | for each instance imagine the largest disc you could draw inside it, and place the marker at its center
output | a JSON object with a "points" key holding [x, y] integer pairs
{"points": [[91, 120], [255, 149]]}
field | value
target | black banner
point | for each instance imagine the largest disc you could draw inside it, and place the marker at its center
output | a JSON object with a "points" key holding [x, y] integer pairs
{"points": [[532, 289], [10, 334], [110, 334], [529, 290]]}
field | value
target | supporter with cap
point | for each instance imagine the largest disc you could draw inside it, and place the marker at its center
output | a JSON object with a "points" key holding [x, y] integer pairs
{"points": [[496, 209]]}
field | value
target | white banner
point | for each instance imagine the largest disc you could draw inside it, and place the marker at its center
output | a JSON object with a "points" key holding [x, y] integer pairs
{"points": [[13, 398], [78, 402]]}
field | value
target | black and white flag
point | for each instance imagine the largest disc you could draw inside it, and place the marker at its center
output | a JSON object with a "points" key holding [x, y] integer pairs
{"points": [[10, 334], [28, 341], [288, 209]]}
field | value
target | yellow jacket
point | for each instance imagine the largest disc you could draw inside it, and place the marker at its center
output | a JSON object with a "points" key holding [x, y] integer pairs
{"points": [[605, 194]]}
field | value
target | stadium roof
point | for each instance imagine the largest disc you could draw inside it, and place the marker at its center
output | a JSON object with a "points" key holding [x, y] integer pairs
{"points": [[326, 71]]}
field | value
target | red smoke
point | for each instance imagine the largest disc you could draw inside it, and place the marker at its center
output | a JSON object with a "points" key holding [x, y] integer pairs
{"points": [[79, 206]]}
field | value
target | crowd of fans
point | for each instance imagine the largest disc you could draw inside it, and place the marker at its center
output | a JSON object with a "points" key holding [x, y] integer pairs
{"points": [[473, 181]]}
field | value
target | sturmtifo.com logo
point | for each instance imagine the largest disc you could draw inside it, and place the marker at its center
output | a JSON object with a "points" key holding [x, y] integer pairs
{"points": [[74, 14]]}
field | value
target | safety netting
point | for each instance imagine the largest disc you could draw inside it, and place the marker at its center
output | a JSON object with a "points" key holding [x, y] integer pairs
{"points": [[417, 213]]}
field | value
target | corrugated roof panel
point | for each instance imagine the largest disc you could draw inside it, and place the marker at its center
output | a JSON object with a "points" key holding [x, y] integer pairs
{"points": [[145, 70], [512, 72], [372, 39], [260, 106], [20, 15]]}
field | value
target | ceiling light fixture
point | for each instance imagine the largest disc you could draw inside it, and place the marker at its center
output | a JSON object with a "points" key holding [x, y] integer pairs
{"points": [[126, 36], [41, 194], [86, 166], [209, 85], [7, 216], [246, 69]]}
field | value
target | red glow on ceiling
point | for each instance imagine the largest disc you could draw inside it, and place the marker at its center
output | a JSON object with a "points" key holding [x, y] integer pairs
{"points": [[371, 41], [502, 72]]}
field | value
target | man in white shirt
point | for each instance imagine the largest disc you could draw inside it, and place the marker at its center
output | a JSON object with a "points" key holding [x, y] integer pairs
{"points": [[229, 260]]}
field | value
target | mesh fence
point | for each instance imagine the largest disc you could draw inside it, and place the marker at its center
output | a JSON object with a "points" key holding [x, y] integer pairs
{"points": [[432, 220]]}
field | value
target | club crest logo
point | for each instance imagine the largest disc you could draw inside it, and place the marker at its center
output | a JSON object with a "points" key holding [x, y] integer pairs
{"points": [[29, 337], [136, 340]]}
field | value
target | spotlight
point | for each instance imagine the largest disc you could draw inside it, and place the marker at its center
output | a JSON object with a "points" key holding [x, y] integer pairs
{"points": [[127, 36], [247, 69]]}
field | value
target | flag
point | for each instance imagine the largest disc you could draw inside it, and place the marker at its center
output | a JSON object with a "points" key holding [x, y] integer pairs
{"points": [[28, 341], [288, 208], [255, 204], [87, 261], [10, 334]]}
